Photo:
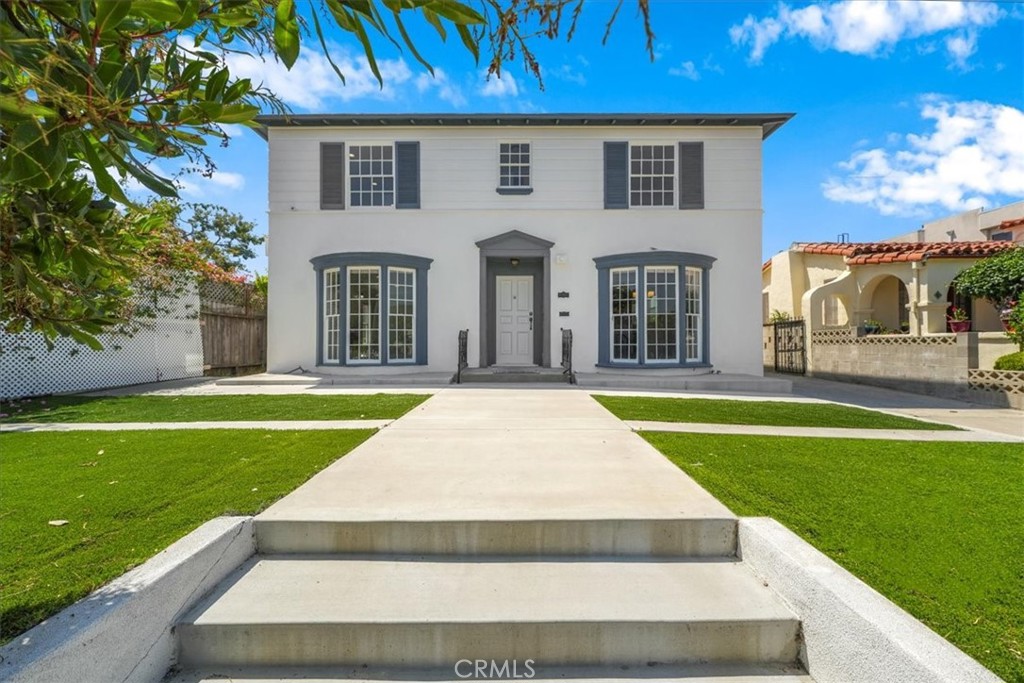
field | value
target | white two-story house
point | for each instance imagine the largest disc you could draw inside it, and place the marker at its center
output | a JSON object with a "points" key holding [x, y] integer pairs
{"points": [[641, 233]]}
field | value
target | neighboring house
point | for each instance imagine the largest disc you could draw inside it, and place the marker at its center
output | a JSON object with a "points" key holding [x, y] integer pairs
{"points": [[1004, 223], [902, 285], [640, 233], [904, 282]]}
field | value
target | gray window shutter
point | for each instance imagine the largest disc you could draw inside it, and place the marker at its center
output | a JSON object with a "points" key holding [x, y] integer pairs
{"points": [[691, 175], [616, 175], [407, 175], [332, 175]]}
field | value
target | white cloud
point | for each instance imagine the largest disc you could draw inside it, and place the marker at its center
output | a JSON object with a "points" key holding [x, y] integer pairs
{"points": [[505, 86], [196, 186], [686, 70], [973, 155], [660, 49], [446, 90], [312, 81], [868, 27], [567, 73]]}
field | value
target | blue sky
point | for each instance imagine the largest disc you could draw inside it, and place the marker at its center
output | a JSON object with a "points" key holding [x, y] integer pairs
{"points": [[905, 111]]}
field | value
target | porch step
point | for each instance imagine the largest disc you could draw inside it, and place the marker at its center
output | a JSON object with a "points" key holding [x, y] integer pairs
{"points": [[658, 673], [529, 375], [680, 537], [393, 611]]}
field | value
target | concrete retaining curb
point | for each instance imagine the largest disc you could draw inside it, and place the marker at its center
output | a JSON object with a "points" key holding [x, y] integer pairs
{"points": [[851, 632], [123, 631]]}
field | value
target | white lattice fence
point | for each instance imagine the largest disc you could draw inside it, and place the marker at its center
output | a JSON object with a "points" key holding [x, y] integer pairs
{"points": [[1005, 381], [169, 346], [908, 340]]}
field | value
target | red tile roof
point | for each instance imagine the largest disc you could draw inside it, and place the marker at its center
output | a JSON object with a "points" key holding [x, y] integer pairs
{"points": [[1012, 223], [862, 253]]}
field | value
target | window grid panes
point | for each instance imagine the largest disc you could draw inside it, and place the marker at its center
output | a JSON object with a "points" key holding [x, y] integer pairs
{"points": [[371, 175], [401, 314], [694, 313], [661, 323], [624, 314], [514, 164], [652, 174], [332, 314], [363, 314]]}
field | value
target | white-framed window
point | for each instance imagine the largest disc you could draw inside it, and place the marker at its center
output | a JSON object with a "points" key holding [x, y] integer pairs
{"points": [[371, 173], [332, 315], [364, 314], [401, 314], [694, 314], [514, 165], [656, 315], [624, 315], [652, 175], [662, 324]]}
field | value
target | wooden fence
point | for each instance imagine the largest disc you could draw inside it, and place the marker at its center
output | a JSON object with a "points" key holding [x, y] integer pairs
{"points": [[233, 319]]}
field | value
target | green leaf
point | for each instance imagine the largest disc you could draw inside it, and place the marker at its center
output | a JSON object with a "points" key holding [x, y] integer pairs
{"points": [[410, 45], [105, 183], [215, 84], [237, 113], [286, 33], [456, 12], [16, 106], [160, 11], [470, 42], [327, 51], [435, 21], [109, 13], [32, 158]]}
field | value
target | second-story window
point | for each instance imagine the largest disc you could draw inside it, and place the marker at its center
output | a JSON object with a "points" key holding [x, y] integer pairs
{"points": [[371, 172], [514, 165], [652, 175]]}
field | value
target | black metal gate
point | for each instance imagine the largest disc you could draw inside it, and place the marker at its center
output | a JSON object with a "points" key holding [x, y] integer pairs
{"points": [[790, 347]]}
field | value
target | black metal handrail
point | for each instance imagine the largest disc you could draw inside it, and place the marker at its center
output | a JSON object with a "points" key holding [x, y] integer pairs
{"points": [[567, 356], [463, 355]]}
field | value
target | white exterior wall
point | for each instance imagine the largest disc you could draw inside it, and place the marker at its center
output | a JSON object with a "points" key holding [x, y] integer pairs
{"points": [[459, 174]]}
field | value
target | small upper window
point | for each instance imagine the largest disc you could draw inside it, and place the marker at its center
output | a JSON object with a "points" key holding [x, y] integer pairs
{"points": [[514, 165], [652, 175], [371, 172]]}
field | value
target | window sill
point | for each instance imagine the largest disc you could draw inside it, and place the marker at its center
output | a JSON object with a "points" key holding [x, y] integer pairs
{"points": [[514, 190]]}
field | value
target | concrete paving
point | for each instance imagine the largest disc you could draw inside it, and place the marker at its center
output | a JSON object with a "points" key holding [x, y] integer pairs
{"points": [[530, 471], [428, 612], [826, 432], [496, 524], [647, 672]]}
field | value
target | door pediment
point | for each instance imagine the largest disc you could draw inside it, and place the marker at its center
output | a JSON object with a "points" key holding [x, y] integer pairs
{"points": [[515, 242]]}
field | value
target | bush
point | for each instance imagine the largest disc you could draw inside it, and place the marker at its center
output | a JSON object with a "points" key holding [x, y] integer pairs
{"points": [[1011, 361]]}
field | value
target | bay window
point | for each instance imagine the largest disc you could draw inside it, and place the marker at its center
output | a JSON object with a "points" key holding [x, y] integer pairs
{"points": [[653, 309]]}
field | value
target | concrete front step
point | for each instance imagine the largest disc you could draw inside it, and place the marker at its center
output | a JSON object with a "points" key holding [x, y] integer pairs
{"points": [[514, 376], [695, 673], [422, 612], [683, 537]]}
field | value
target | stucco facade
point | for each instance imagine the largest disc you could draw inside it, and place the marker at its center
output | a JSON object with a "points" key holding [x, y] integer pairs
{"points": [[474, 242]]}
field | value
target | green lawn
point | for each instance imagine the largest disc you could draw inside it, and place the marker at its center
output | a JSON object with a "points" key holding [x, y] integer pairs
{"points": [[775, 413], [127, 496], [202, 408], [936, 528]]}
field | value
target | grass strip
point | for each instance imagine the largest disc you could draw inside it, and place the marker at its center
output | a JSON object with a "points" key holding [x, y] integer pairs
{"points": [[227, 408], [936, 528], [128, 495], [772, 413]]}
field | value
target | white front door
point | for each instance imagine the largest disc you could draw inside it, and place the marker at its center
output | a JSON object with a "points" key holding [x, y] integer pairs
{"points": [[514, 336]]}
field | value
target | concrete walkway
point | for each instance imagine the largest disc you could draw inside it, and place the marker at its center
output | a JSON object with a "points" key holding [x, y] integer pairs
{"points": [[825, 432]]}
